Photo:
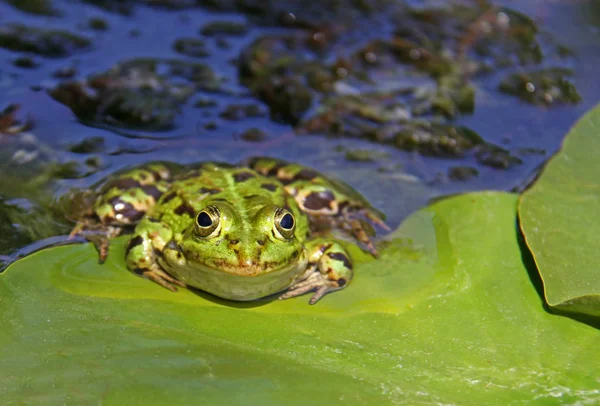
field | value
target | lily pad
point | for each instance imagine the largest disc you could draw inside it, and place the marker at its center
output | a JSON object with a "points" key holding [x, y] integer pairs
{"points": [[559, 218], [447, 314]]}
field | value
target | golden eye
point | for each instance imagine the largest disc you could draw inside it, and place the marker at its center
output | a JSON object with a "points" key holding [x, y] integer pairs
{"points": [[207, 221], [285, 224]]}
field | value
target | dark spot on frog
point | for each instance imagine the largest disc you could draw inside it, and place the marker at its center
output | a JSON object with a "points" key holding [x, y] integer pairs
{"points": [[134, 242], [153, 220], [168, 197], [306, 174], [158, 253], [126, 210], [125, 183], [338, 256], [260, 242], [270, 187], [250, 197], [210, 191], [319, 200], [341, 282], [152, 191], [185, 208], [285, 181], [243, 176], [342, 206], [275, 169], [158, 175], [219, 199], [194, 173], [258, 165], [140, 271], [234, 242]]}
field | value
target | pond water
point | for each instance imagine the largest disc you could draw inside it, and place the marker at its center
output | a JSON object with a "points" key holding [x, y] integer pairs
{"points": [[267, 71]]}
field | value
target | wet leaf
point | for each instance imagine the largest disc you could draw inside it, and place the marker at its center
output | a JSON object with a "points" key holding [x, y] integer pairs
{"points": [[560, 222], [448, 313]]}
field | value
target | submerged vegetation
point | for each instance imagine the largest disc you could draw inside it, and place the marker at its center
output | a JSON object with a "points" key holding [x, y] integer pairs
{"points": [[141, 93]]}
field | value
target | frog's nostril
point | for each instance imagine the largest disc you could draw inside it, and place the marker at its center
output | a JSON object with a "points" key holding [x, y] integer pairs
{"points": [[234, 242], [260, 242]]}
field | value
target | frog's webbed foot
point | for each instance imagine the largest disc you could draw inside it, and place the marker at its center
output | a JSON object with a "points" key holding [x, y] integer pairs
{"points": [[356, 222], [315, 282], [329, 270], [96, 233], [157, 275], [359, 224]]}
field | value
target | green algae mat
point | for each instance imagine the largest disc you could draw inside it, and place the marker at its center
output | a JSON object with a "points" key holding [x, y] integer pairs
{"points": [[560, 219], [449, 314]]}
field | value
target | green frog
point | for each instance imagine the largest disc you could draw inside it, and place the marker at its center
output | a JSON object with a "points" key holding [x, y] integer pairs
{"points": [[239, 232]]}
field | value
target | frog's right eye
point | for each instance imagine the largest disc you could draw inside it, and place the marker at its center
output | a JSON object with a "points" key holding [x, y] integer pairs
{"points": [[207, 222], [204, 220]]}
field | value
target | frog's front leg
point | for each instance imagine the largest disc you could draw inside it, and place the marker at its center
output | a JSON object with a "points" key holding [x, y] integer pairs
{"points": [[329, 269], [147, 242], [121, 202]]}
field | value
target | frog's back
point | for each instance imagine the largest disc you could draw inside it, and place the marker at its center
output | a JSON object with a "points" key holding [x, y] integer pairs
{"points": [[235, 185]]}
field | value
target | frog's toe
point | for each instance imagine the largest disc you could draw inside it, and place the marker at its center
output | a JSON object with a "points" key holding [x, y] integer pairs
{"points": [[376, 219], [315, 282], [157, 275], [77, 230], [100, 236], [102, 247], [362, 231]]}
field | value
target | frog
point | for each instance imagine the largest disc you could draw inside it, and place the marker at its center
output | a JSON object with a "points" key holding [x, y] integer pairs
{"points": [[240, 232]]}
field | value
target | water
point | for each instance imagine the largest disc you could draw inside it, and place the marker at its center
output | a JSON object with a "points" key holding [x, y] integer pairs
{"points": [[396, 182]]}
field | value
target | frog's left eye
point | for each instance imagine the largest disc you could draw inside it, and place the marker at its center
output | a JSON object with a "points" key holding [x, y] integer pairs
{"points": [[285, 225], [207, 221]]}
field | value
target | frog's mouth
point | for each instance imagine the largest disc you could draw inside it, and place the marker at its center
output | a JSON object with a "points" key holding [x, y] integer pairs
{"points": [[244, 281], [249, 268], [245, 267]]}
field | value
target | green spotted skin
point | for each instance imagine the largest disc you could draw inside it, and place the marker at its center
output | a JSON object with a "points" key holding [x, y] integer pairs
{"points": [[126, 199], [240, 233]]}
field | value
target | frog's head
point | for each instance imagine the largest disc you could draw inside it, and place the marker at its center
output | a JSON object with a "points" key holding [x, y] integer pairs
{"points": [[243, 241]]}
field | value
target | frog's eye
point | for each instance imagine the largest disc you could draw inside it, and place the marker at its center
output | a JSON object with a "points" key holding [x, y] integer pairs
{"points": [[285, 225], [207, 221], [204, 220]]}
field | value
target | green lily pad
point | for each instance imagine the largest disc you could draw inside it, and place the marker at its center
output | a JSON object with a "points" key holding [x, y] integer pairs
{"points": [[559, 218], [448, 314]]}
